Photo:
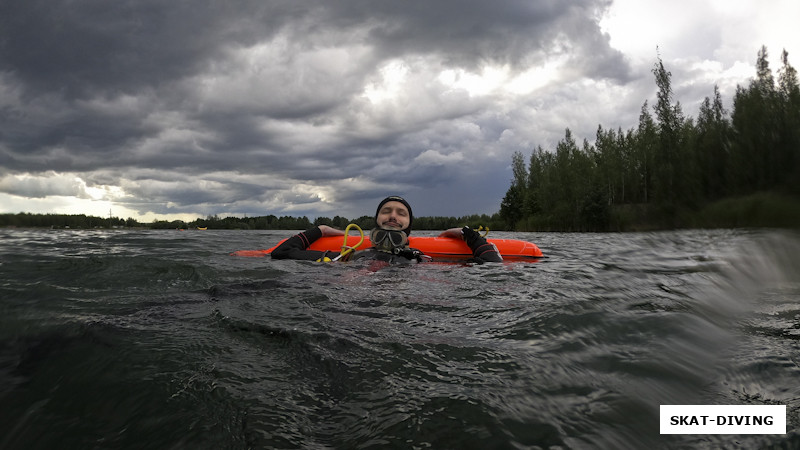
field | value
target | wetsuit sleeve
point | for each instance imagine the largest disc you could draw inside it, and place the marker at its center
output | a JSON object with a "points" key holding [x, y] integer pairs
{"points": [[296, 247], [482, 250]]}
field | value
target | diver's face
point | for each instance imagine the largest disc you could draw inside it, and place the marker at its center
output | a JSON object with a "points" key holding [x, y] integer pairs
{"points": [[393, 216]]}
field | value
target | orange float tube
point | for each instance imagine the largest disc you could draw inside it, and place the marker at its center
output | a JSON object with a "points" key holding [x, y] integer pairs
{"points": [[438, 248]]}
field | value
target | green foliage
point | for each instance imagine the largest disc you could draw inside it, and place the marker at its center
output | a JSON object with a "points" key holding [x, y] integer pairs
{"points": [[564, 191], [494, 222], [72, 221], [269, 222], [511, 208], [665, 172], [761, 209]]}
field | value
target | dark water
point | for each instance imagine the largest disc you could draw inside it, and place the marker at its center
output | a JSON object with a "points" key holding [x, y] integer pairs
{"points": [[160, 339]]}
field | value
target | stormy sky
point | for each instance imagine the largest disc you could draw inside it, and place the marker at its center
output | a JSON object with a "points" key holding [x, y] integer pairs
{"points": [[182, 109]]}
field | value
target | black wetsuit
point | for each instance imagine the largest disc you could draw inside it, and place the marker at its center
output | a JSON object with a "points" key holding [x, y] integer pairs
{"points": [[296, 247]]}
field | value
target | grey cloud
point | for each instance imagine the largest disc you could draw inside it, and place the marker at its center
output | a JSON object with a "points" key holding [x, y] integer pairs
{"points": [[82, 47], [40, 187], [465, 33]]}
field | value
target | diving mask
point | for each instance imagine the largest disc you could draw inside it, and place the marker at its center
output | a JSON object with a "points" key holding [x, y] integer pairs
{"points": [[388, 240]]}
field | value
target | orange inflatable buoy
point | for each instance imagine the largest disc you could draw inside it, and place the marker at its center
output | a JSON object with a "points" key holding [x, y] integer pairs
{"points": [[438, 248]]}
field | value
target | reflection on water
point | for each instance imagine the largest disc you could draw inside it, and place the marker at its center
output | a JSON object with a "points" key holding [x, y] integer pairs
{"points": [[161, 339]]}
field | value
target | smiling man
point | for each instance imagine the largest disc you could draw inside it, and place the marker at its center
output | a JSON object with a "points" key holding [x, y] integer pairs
{"points": [[394, 213]]}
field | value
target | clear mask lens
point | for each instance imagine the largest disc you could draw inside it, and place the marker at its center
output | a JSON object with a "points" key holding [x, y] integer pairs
{"points": [[388, 239]]}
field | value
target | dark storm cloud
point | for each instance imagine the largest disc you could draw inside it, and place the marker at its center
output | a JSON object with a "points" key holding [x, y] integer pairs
{"points": [[85, 47], [468, 33], [255, 97]]}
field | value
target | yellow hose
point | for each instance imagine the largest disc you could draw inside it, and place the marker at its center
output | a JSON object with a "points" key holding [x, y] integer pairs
{"points": [[346, 250]]}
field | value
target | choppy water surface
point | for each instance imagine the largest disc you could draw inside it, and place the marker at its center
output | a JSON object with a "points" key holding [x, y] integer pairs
{"points": [[161, 339]]}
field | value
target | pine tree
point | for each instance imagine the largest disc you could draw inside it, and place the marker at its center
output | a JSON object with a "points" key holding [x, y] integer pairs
{"points": [[755, 124], [644, 152], [533, 204], [789, 92], [667, 175], [713, 142], [511, 207]]}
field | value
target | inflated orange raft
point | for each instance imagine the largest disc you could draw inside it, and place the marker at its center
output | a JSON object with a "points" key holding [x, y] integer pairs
{"points": [[438, 248]]}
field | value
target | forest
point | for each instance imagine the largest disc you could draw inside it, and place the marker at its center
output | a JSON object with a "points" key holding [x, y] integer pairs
{"points": [[671, 171], [269, 222]]}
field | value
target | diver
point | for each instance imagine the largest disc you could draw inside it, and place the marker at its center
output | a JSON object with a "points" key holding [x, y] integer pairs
{"points": [[393, 221]]}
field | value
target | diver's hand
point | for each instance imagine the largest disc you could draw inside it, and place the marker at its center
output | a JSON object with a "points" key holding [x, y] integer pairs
{"points": [[329, 231], [453, 233]]}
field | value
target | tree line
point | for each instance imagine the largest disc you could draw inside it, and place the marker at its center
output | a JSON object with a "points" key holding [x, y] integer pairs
{"points": [[670, 168], [269, 222], [29, 220]]}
